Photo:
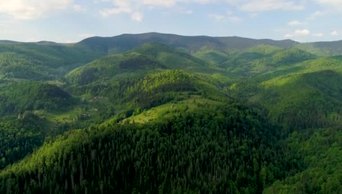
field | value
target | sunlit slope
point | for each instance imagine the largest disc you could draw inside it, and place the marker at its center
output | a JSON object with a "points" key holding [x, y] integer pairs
{"points": [[306, 96], [203, 148], [333, 48], [264, 59], [41, 61]]}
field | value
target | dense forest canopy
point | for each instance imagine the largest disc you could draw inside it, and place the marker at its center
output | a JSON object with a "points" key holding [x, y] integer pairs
{"points": [[161, 113]]}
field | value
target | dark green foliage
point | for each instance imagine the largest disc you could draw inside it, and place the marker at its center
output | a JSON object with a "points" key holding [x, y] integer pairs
{"points": [[291, 56], [19, 137], [226, 149], [322, 155], [22, 96], [158, 113]]}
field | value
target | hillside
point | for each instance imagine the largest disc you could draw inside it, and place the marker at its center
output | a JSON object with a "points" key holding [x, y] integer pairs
{"points": [[332, 48], [206, 152], [163, 113], [321, 153]]}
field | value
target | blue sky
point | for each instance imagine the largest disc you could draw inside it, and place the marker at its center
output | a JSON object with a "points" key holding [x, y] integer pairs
{"points": [[74, 20]]}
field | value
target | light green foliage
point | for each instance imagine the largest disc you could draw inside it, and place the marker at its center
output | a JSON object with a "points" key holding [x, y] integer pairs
{"points": [[191, 151], [168, 110]]}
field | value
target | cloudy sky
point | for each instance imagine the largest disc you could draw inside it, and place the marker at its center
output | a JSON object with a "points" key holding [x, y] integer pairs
{"points": [[73, 20]]}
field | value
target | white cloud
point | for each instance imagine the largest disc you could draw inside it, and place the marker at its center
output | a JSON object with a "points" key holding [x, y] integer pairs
{"points": [[202, 1], [120, 6], [269, 5], [316, 14], [31, 9], [163, 3], [187, 11], [302, 32], [318, 34], [217, 17], [128, 7], [334, 33], [299, 33], [79, 8], [134, 8], [131, 7], [137, 16], [229, 16], [294, 23], [334, 3]]}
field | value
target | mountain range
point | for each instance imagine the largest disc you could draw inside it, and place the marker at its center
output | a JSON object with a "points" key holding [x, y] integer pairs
{"points": [[164, 113]]}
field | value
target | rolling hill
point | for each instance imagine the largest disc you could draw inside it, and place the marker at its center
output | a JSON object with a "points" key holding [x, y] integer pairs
{"points": [[164, 113]]}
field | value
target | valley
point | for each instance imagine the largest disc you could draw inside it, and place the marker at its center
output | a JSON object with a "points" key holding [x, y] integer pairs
{"points": [[164, 113]]}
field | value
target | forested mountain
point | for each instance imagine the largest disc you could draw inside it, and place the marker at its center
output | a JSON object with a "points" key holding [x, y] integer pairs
{"points": [[163, 113], [190, 43]]}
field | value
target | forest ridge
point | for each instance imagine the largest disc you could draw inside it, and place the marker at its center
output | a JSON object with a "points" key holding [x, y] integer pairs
{"points": [[164, 113]]}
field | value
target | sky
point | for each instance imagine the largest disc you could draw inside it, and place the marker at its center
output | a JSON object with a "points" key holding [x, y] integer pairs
{"points": [[73, 20]]}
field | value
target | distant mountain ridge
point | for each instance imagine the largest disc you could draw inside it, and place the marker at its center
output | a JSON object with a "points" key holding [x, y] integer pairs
{"points": [[125, 42], [192, 43]]}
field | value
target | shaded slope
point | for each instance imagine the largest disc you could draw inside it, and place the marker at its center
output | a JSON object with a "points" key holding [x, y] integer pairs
{"points": [[20, 136], [17, 66], [322, 156], [148, 57], [110, 66], [19, 97]]}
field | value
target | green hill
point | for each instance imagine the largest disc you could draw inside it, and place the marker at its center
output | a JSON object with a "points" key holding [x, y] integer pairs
{"points": [[110, 66], [41, 61], [202, 149], [264, 59], [305, 100], [163, 113], [321, 153], [148, 57], [18, 97], [332, 48]]}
